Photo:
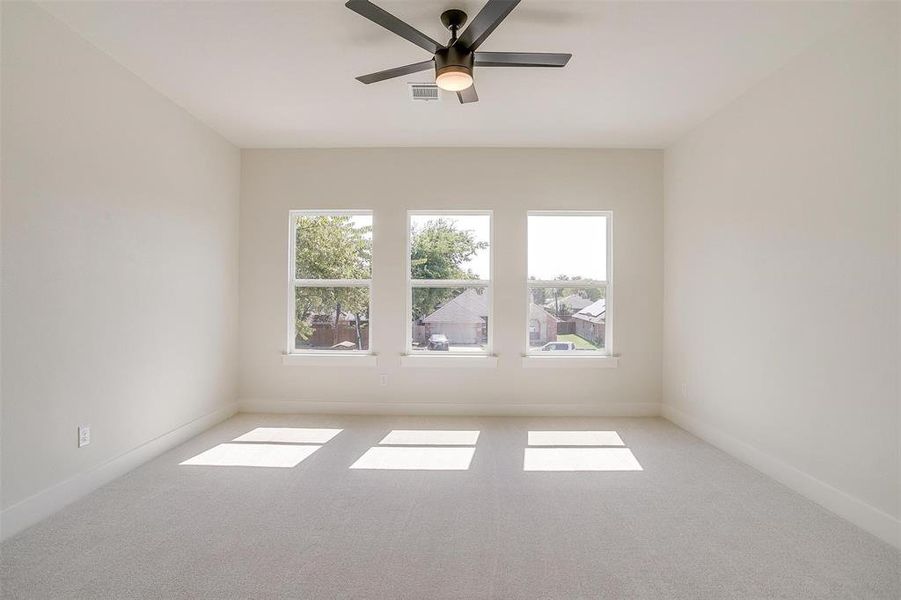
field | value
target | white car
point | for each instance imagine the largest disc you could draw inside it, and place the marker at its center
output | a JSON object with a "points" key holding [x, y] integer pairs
{"points": [[557, 347]]}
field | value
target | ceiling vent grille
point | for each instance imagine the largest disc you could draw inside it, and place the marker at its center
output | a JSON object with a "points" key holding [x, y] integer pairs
{"points": [[424, 92]]}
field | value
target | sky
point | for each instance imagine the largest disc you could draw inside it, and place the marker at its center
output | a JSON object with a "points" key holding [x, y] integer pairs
{"points": [[568, 245], [362, 221], [558, 244]]}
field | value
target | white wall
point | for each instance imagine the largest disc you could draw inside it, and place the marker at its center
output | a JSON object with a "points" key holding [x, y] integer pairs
{"points": [[119, 249], [781, 275], [509, 182]]}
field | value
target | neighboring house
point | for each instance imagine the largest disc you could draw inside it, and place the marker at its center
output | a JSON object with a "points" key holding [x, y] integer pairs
{"points": [[543, 326], [572, 303], [464, 320], [591, 322]]}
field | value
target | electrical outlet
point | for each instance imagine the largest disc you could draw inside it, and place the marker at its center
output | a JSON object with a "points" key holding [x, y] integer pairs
{"points": [[84, 435], [383, 379]]}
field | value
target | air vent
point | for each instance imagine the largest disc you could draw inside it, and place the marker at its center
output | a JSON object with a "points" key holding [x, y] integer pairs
{"points": [[424, 92]]}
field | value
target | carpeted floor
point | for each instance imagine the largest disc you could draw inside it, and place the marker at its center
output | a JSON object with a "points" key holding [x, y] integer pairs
{"points": [[693, 523]]}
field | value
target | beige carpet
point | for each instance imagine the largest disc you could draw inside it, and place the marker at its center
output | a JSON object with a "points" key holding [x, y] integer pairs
{"points": [[692, 523]]}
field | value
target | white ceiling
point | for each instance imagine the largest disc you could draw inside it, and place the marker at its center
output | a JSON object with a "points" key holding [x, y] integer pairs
{"points": [[281, 74]]}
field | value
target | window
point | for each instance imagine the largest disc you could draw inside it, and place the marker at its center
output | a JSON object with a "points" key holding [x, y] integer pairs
{"points": [[449, 291], [331, 275], [569, 290]]}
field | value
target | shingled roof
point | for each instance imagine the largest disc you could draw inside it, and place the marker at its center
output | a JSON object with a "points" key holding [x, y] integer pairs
{"points": [[468, 307], [472, 307]]}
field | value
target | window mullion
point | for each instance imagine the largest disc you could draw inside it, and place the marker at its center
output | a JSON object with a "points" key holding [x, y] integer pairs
{"points": [[450, 283], [332, 283], [575, 284]]}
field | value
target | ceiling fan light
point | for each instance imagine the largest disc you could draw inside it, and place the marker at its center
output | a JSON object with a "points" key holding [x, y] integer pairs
{"points": [[454, 78]]}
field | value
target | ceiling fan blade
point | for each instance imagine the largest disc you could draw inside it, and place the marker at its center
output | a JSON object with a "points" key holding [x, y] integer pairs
{"points": [[382, 17], [397, 72], [486, 21], [468, 95], [521, 59]]}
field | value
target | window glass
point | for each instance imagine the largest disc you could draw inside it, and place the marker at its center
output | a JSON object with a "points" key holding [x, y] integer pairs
{"points": [[331, 269], [450, 273], [446, 246], [333, 246], [450, 320], [568, 251], [331, 318], [568, 247]]}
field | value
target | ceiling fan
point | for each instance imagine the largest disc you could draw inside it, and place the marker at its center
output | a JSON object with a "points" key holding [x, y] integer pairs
{"points": [[453, 62]]}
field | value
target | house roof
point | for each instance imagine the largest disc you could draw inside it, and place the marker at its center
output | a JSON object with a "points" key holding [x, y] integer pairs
{"points": [[468, 307], [536, 312], [472, 307], [595, 312], [573, 301]]}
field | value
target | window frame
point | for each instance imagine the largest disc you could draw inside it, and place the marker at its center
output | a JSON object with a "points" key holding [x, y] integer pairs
{"points": [[487, 284], [294, 283], [607, 284]]}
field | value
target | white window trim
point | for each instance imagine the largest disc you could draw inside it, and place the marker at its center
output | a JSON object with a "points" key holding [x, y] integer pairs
{"points": [[292, 355], [572, 358], [476, 283]]}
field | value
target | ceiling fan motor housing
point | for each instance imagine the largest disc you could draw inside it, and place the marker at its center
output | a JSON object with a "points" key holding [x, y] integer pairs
{"points": [[454, 58]]}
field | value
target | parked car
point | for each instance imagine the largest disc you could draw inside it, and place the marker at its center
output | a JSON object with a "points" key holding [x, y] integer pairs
{"points": [[438, 341], [558, 347]]}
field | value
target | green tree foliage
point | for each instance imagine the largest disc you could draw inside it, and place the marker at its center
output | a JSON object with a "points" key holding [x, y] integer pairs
{"points": [[588, 293], [561, 309], [539, 295], [331, 247], [593, 294], [438, 250]]}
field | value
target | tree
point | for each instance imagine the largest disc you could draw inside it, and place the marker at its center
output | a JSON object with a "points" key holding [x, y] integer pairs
{"points": [[560, 308], [542, 296], [539, 295], [438, 250], [591, 293], [558, 294], [331, 247]]}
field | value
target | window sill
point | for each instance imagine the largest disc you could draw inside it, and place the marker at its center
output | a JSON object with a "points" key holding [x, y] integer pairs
{"points": [[330, 360], [570, 362], [448, 362]]}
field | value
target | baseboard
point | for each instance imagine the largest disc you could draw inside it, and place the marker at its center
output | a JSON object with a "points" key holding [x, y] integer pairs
{"points": [[586, 409], [865, 516], [35, 508]]}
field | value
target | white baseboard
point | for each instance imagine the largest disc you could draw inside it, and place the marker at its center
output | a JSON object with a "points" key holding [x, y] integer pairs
{"points": [[43, 504], [483, 409], [865, 516]]}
